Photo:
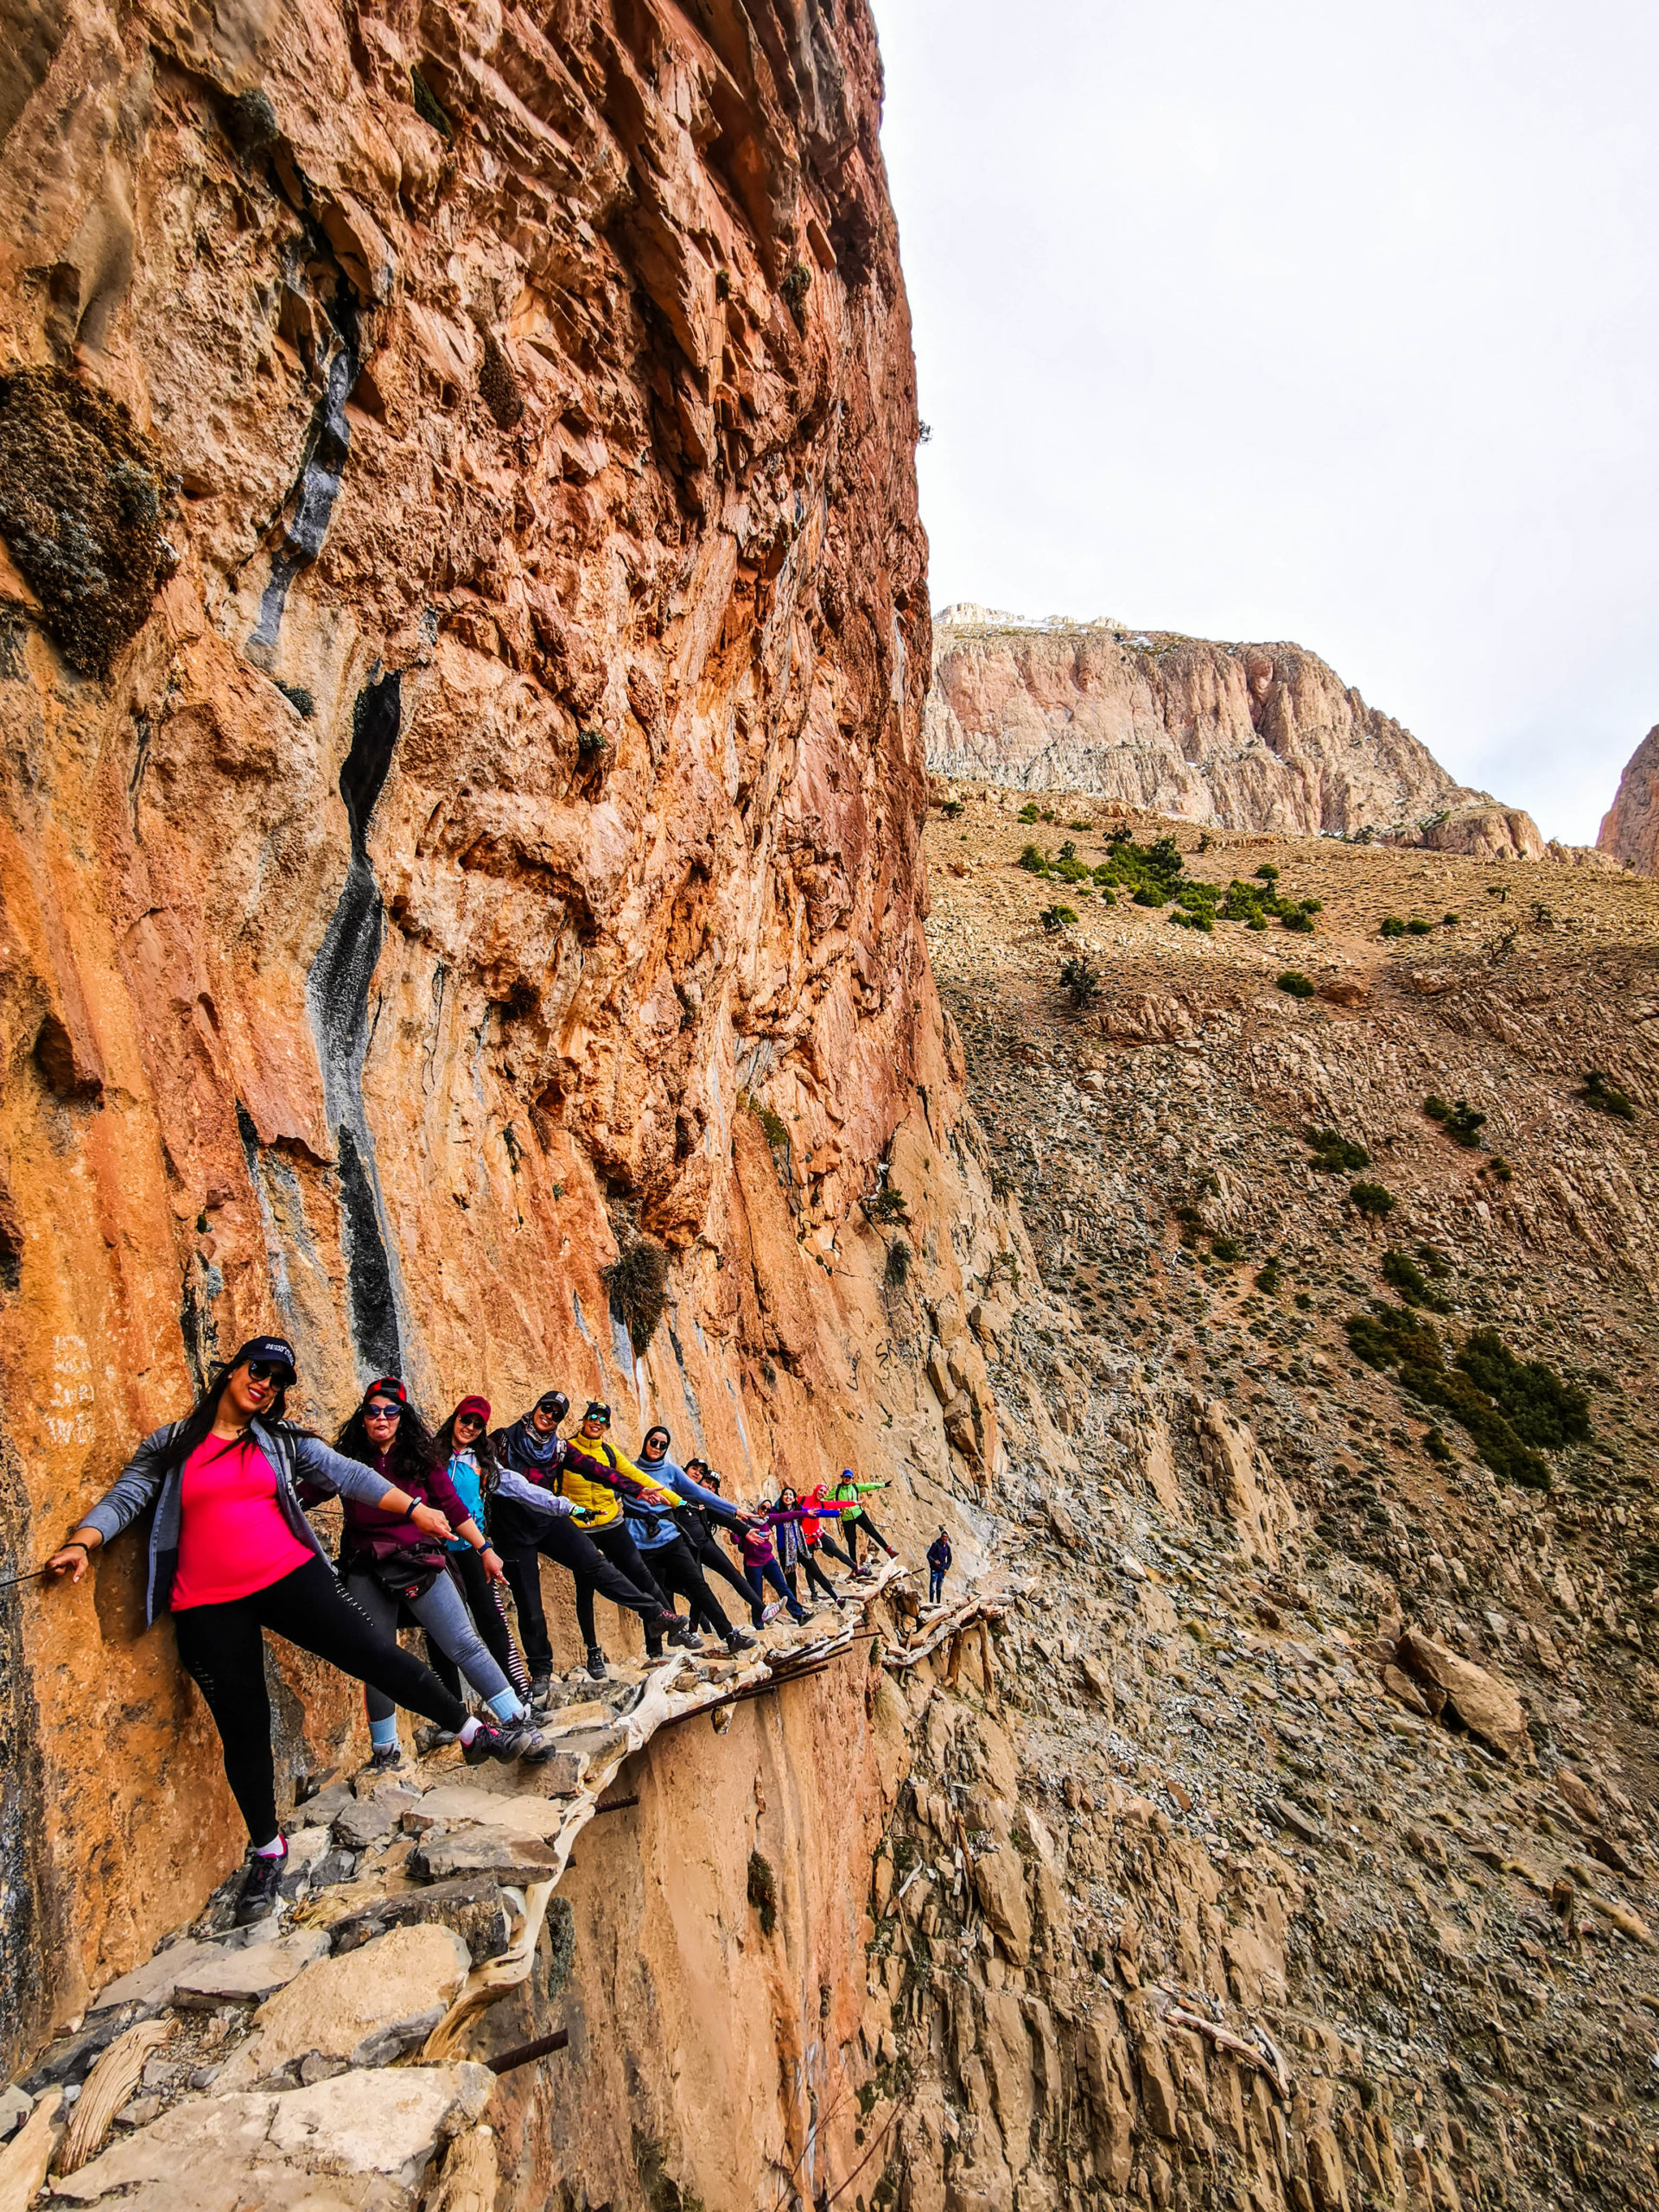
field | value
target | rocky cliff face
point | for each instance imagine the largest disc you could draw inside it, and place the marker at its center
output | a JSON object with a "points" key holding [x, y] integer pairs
{"points": [[464, 640], [1241, 737], [1629, 829]]}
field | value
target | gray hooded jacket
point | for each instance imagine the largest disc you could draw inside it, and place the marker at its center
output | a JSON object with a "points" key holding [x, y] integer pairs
{"points": [[142, 1481]]}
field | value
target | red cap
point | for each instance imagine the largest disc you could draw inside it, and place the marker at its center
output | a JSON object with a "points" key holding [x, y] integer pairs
{"points": [[479, 1407]]}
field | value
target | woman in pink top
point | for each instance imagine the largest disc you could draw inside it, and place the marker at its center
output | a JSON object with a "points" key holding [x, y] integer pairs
{"points": [[231, 1554]]}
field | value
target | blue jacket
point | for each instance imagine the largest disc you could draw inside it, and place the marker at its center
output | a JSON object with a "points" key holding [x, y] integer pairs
{"points": [[651, 1525], [293, 1454]]}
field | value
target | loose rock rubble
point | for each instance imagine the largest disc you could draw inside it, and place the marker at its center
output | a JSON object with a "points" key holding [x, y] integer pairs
{"points": [[1296, 1846]]}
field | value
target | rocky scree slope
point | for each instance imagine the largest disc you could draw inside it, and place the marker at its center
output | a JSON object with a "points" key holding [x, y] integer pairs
{"points": [[1236, 736], [462, 642], [1298, 1846], [1629, 829]]}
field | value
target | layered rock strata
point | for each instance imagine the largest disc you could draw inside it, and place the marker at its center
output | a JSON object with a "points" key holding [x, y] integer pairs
{"points": [[1629, 829], [1235, 736], [464, 642]]}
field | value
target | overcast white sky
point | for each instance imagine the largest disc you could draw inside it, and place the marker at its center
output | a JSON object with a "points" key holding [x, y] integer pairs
{"points": [[1305, 322]]}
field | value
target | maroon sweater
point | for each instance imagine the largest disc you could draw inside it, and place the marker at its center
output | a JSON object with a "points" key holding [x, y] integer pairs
{"points": [[373, 1535]]}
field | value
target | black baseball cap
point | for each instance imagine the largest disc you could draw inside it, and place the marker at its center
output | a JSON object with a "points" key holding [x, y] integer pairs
{"points": [[554, 1403], [596, 1410], [276, 1352], [386, 1386]]}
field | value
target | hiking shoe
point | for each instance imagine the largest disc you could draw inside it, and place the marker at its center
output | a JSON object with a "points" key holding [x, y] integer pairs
{"points": [[741, 1640], [771, 1612], [686, 1637], [386, 1757], [257, 1899], [514, 1739], [540, 1692], [596, 1663]]}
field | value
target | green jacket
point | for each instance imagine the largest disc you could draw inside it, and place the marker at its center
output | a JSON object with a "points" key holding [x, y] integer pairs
{"points": [[848, 1494]]}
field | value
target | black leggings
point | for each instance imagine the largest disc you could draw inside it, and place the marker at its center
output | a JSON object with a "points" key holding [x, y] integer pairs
{"points": [[816, 1580], [617, 1546], [870, 1530], [675, 1566], [713, 1559], [573, 1549], [222, 1648], [485, 1607]]}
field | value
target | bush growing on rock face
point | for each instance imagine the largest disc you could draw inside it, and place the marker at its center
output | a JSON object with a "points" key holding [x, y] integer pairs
{"points": [[1268, 873], [1409, 1279], [1499, 1169], [638, 1282], [888, 1204], [1535, 1405], [1058, 918], [1035, 860], [1269, 1278], [1298, 920], [1081, 981], [1149, 895], [1393, 925], [1080, 825], [1436, 1446], [1227, 1249], [1371, 1199], [1295, 985], [1461, 1122], [1334, 1154], [1601, 1092], [1028, 812], [951, 810], [1540, 1407]]}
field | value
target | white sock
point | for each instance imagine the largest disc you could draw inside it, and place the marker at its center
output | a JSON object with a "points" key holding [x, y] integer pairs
{"points": [[468, 1729], [276, 1848]]}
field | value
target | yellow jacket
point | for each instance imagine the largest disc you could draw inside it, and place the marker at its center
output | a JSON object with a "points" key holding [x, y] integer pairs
{"points": [[600, 1501]]}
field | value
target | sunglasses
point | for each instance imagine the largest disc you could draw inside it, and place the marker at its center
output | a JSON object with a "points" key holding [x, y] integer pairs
{"points": [[468, 1420], [382, 1412], [269, 1370]]}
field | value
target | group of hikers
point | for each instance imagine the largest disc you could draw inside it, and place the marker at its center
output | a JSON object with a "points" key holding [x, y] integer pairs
{"points": [[433, 1526]]}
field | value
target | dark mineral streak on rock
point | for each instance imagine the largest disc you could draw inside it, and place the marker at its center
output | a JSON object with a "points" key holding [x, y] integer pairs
{"points": [[337, 993]]}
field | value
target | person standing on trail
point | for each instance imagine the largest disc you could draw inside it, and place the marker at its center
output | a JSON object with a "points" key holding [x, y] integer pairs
{"points": [[655, 1528], [535, 1513], [791, 1523], [761, 1565], [699, 1525], [231, 1556], [464, 1452], [818, 1503], [938, 1565], [390, 1566], [856, 1514]]}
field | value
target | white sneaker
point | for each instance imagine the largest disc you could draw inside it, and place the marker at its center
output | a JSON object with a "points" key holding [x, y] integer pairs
{"points": [[771, 1612]]}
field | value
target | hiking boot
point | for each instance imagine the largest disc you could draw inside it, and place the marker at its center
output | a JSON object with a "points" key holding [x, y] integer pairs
{"points": [[257, 1899], [541, 1691], [686, 1637], [386, 1757], [741, 1640], [596, 1663], [513, 1740]]}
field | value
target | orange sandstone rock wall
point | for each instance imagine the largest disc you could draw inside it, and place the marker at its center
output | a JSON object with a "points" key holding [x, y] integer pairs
{"points": [[463, 635]]}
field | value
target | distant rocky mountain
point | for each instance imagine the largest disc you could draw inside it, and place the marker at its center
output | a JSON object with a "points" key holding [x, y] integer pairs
{"points": [[1257, 737], [1629, 829]]}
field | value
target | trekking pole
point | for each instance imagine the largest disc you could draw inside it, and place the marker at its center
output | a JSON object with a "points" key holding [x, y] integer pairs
{"points": [[34, 1574]]}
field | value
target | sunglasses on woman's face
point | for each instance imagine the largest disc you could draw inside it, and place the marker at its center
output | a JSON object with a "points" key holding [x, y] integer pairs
{"points": [[466, 1420], [266, 1370], [383, 1412]]}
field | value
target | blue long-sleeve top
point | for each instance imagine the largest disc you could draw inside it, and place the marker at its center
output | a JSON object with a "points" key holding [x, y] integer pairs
{"points": [[651, 1524]]}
